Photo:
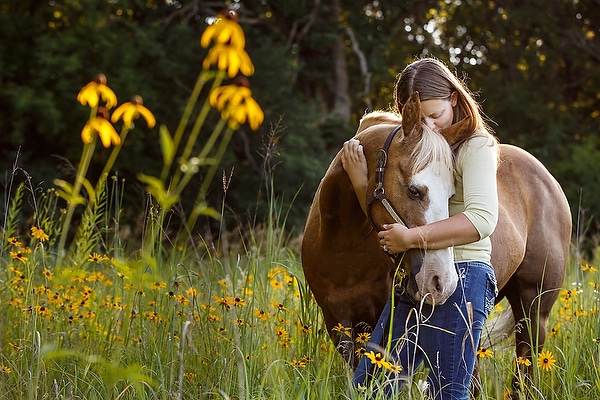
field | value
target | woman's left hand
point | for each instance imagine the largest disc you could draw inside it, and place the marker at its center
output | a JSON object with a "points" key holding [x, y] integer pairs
{"points": [[395, 238]]}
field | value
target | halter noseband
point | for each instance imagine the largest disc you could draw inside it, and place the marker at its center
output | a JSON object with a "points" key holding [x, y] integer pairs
{"points": [[379, 191]]}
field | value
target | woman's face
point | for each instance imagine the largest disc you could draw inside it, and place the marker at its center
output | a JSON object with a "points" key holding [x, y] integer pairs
{"points": [[438, 114]]}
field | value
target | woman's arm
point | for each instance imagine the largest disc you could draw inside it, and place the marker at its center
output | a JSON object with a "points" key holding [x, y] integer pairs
{"points": [[453, 231]]}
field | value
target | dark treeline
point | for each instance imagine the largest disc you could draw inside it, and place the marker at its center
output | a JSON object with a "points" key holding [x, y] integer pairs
{"points": [[319, 65]]}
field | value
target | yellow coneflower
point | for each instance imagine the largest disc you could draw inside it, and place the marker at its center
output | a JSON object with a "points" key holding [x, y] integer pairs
{"points": [[91, 93], [103, 128], [132, 110], [39, 234]]}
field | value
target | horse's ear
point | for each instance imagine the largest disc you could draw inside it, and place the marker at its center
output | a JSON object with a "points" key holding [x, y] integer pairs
{"points": [[411, 115]]}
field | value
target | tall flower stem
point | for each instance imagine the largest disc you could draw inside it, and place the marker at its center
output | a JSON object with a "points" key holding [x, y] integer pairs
{"points": [[195, 131], [115, 153], [189, 108], [86, 157]]}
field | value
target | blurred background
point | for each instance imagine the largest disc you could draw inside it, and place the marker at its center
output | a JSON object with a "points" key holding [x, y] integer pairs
{"points": [[320, 64]]}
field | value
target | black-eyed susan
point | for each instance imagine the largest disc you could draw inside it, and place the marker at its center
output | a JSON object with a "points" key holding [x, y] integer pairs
{"points": [[298, 363], [47, 274], [523, 361], [239, 302], [587, 267], [132, 110], [158, 285], [377, 359], [103, 128], [224, 29], [95, 258], [280, 332], [39, 234], [19, 255], [14, 241], [260, 314], [342, 329], [546, 360], [97, 89], [363, 337], [483, 352]]}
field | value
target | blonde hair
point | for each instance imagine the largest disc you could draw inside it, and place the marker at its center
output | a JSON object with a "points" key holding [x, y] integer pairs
{"points": [[433, 80]]}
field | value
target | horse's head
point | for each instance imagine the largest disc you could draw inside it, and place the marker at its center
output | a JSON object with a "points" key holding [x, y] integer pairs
{"points": [[417, 181]]}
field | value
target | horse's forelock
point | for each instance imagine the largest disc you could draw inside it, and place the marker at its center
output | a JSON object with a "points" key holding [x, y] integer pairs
{"points": [[432, 150]]}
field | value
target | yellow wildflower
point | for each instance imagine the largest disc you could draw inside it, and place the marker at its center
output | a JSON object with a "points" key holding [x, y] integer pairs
{"points": [[378, 360], [39, 234], [132, 110], [342, 329], [14, 241], [523, 361], [260, 314], [95, 257], [91, 93], [224, 30], [100, 125], [363, 337], [546, 360], [236, 104], [482, 352], [229, 58], [587, 267], [19, 255]]}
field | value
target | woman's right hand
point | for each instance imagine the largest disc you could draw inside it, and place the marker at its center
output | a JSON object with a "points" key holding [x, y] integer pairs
{"points": [[354, 163]]}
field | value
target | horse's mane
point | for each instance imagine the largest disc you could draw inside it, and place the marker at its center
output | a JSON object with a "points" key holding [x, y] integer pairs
{"points": [[432, 149]]}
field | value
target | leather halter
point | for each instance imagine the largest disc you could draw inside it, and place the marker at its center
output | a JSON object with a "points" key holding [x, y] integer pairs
{"points": [[401, 275], [379, 191]]}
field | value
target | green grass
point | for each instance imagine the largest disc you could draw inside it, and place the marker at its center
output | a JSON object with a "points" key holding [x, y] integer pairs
{"points": [[236, 322]]}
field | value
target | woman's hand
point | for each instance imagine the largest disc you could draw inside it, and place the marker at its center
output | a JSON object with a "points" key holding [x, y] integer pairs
{"points": [[354, 162], [395, 238], [355, 165]]}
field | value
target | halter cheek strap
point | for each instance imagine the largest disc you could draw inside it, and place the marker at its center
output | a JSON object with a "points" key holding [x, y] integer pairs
{"points": [[379, 191]]}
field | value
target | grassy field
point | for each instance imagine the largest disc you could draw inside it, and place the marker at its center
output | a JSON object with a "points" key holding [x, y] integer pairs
{"points": [[210, 321]]}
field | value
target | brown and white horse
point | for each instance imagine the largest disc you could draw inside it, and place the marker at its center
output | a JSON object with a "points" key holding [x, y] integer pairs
{"points": [[351, 276]]}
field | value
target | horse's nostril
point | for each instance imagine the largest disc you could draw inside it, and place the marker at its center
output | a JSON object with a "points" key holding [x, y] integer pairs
{"points": [[436, 284]]}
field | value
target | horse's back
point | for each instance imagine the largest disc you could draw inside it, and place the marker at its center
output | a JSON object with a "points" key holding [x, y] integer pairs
{"points": [[531, 241]]}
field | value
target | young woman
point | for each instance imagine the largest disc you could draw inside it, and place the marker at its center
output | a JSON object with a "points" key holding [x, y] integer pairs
{"points": [[445, 337]]}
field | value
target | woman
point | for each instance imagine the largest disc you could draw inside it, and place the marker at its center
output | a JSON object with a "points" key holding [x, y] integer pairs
{"points": [[445, 337]]}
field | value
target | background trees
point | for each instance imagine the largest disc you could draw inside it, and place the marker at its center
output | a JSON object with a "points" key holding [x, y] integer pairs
{"points": [[319, 65]]}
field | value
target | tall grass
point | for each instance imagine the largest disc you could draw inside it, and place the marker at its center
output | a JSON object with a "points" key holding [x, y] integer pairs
{"points": [[209, 321]]}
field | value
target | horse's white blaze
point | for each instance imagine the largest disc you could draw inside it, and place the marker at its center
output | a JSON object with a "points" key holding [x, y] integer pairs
{"points": [[437, 278]]}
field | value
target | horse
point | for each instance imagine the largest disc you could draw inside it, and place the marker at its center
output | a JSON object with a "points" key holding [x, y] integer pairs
{"points": [[351, 276]]}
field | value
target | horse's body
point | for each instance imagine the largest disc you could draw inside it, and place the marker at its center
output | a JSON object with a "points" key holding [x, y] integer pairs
{"points": [[351, 276]]}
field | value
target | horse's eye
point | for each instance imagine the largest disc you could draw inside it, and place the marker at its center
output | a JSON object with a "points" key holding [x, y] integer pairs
{"points": [[414, 192]]}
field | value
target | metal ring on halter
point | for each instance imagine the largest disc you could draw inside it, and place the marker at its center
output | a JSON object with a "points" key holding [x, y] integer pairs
{"points": [[384, 247]]}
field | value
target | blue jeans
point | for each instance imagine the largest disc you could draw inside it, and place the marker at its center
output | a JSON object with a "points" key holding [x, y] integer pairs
{"points": [[445, 337]]}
